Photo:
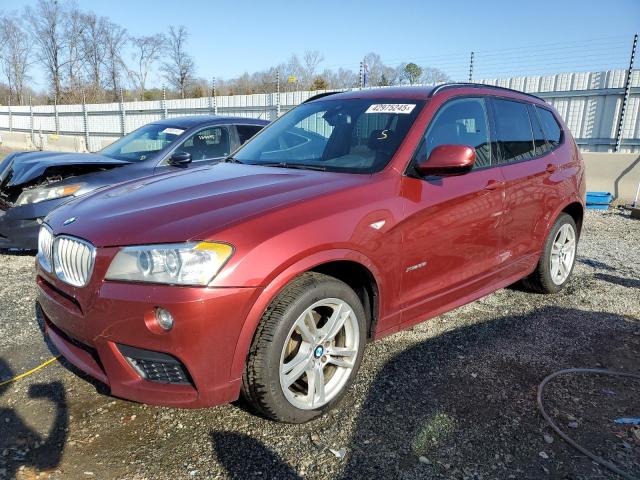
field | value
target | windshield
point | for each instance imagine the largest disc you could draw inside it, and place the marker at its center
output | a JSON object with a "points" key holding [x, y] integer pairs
{"points": [[353, 135], [142, 143]]}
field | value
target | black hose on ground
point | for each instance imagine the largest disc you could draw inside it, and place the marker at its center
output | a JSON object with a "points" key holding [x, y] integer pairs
{"points": [[566, 437]]}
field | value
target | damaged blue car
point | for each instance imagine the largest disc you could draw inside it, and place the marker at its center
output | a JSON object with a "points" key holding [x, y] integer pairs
{"points": [[34, 183]]}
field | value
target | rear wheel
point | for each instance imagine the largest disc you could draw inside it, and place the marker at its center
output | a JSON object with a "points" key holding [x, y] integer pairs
{"points": [[558, 258], [307, 349]]}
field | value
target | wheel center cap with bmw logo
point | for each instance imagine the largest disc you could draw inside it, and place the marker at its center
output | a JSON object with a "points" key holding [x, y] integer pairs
{"points": [[318, 351]]}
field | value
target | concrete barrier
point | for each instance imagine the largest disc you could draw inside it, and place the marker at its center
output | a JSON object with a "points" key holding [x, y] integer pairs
{"points": [[16, 141], [618, 173], [63, 143]]}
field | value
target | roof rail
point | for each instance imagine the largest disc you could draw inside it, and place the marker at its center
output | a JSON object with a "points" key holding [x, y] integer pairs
{"points": [[445, 86], [321, 95]]}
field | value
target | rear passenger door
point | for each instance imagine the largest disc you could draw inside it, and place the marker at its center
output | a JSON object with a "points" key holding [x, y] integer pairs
{"points": [[527, 164]]}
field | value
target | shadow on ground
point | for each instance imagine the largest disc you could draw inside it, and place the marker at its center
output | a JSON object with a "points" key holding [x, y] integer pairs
{"points": [[21, 445], [463, 404], [622, 281]]}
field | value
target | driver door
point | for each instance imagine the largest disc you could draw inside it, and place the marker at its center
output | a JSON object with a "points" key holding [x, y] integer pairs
{"points": [[452, 230]]}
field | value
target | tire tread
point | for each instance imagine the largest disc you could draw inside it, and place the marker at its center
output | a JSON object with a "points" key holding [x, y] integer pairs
{"points": [[253, 389]]}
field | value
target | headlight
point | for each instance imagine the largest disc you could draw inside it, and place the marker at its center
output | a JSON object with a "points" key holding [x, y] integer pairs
{"points": [[35, 195], [194, 263], [45, 247]]}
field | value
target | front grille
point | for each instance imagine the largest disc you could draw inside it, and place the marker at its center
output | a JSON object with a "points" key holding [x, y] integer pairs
{"points": [[45, 246], [156, 366], [73, 260]]}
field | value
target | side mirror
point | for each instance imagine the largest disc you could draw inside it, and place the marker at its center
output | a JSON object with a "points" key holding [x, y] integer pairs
{"points": [[447, 160], [180, 159]]}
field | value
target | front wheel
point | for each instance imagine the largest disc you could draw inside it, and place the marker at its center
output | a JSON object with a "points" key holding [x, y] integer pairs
{"points": [[558, 258], [307, 349]]}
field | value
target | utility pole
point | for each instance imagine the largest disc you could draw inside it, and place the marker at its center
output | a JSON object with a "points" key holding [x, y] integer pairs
{"points": [[164, 102], [625, 97], [123, 115], [55, 114], [214, 102], [31, 119], [85, 120], [277, 93], [361, 80], [471, 68]]}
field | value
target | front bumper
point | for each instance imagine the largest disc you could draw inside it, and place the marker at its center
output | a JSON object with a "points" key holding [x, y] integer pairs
{"points": [[91, 328], [18, 233], [19, 225]]}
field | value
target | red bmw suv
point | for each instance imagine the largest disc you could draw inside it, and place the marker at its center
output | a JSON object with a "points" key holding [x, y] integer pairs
{"points": [[351, 217]]}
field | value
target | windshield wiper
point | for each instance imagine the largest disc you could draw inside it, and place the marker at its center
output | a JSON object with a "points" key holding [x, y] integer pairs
{"points": [[299, 166], [232, 160]]}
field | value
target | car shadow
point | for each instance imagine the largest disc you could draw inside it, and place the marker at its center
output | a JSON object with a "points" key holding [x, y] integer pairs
{"points": [[21, 445], [467, 396], [625, 282], [595, 264], [17, 253]]}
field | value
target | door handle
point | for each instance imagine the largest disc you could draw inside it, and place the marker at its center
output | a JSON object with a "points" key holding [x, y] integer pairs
{"points": [[551, 168], [493, 184]]}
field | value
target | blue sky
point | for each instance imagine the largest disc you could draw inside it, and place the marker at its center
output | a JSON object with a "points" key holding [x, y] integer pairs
{"points": [[231, 37]]}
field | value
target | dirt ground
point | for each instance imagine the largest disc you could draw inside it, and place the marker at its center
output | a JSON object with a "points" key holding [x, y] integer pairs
{"points": [[452, 398]]}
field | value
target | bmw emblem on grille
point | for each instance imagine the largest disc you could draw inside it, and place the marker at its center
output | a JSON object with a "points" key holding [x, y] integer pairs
{"points": [[69, 221]]}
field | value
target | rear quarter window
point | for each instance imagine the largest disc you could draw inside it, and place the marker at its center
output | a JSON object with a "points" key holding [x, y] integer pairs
{"points": [[552, 130]]}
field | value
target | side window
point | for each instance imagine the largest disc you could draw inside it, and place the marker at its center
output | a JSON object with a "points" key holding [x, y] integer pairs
{"points": [[460, 122], [552, 130], [539, 139], [513, 126], [245, 132], [206, 144]]}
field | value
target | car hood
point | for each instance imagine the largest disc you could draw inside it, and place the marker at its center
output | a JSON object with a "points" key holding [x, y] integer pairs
{"points": [[26, 166], [190, 205]]}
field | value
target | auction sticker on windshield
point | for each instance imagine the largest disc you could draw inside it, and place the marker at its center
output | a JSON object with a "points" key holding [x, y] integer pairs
{"points": [[391, 108], [173, 131]]}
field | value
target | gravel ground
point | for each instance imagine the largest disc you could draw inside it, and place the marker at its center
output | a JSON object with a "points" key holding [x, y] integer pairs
{"points": [[451, 398]]}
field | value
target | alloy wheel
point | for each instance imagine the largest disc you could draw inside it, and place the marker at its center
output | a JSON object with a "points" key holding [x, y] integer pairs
{"points": [[319, 354], [563, 252]]}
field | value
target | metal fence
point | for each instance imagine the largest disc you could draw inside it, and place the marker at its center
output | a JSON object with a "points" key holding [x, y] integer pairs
{"points": [[591, 104]]}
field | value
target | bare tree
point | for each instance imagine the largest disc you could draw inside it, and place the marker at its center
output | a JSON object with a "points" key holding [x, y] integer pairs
{"points": [[74, 62], [146, 54], [311, 60], [15, 53], [179, 69], [47, 28], [94, 46], [341, 78], [115, 40], [380, 74], [431, 75], [265, 80]]}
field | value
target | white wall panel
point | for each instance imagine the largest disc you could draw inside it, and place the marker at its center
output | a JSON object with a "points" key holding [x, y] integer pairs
{"points": [[592, 118]]}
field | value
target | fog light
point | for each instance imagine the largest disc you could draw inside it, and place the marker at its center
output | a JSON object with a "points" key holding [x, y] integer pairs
{"points": [[164, 318]]}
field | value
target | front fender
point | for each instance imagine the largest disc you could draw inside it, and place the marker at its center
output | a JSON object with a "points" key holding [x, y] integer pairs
{"points": [[285, 274]]}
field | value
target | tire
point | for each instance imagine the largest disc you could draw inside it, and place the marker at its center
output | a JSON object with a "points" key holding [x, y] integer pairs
{"points": [[286, 345], [546, 278]]}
